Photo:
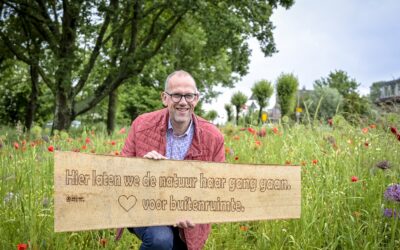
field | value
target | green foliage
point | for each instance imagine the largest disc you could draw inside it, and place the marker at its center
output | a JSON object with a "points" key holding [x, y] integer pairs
{"points": [[95, 47], [339, 80], [286, 89], [262, 91], [374, 91], [238, 99], [137, 99], [326, 102], [15, 89], [211, 115], [229, 111], [355, 107]]}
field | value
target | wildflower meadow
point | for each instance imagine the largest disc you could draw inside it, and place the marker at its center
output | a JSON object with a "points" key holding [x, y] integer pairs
{"points": [[350, 187]]}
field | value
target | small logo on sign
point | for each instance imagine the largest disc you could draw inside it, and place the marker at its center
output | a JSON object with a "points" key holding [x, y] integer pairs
{"points": [[127, 202]]}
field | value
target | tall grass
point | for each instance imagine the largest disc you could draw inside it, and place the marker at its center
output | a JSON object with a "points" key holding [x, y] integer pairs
{"points": [[337, 213]]}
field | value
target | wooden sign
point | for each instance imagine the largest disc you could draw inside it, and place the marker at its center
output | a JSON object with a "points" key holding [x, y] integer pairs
{"points": [[99, 192]]}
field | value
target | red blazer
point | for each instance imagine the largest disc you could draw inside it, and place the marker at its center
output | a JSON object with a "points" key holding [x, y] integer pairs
{"points": [[148, 132]]}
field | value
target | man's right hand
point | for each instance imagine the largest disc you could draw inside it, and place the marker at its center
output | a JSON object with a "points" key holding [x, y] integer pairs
{"points": [[154, 155]]}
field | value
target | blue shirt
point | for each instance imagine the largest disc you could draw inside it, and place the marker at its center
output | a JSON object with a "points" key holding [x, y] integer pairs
{"points": [[178, 145]]}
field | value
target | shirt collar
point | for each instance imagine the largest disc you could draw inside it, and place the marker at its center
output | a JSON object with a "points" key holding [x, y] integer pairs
{"points": [[186, 132]]}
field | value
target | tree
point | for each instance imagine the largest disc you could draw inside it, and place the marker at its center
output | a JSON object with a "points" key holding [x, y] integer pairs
{"points": [[262, 91], [375, 91], [211, 115], [229, 111], [286, 89], [354, 105], [339, 80], [238, 99], [122, 37], [325, 102]]}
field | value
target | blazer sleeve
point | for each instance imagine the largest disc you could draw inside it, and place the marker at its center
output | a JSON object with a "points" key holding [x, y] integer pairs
{"points": [[129, 148], [219, 154]]}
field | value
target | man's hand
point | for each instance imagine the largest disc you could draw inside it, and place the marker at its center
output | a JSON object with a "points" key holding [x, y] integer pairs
{"points": [[154, 155], [185, 224]]}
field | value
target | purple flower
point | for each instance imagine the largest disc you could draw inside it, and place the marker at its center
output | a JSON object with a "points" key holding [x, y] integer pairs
{"points": [[393, 193], [388, 212]]}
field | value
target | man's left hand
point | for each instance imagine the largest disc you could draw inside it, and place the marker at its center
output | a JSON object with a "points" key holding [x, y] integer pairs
{"points": [[185, 224]]}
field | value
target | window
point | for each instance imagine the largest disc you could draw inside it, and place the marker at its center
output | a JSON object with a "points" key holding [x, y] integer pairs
{"points": [[398, 89]]}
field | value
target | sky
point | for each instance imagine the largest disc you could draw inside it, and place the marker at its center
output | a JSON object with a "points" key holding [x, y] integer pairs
{"points": [[314, 38]]}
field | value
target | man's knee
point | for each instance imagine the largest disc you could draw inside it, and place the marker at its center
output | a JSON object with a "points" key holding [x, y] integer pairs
{"points": [[160, 241], [158, 238]]}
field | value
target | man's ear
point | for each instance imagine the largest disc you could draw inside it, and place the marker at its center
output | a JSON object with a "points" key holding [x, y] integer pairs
{"points": [[164, 99]]}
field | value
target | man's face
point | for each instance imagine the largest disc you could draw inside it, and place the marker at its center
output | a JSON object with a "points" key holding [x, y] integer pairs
{"points": [[180, 112]]}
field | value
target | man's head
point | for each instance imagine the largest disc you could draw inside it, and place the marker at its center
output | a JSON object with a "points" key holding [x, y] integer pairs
{"points": [[180, 97]]}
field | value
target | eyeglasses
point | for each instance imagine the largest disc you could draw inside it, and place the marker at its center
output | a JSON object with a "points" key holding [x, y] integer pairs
{"points": [[178, 97]]}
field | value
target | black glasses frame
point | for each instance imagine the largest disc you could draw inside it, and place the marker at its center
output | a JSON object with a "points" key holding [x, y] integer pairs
{"points": [[188, 97]]}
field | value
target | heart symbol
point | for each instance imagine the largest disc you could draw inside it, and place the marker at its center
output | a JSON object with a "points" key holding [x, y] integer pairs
{"points": [[127, 202]]}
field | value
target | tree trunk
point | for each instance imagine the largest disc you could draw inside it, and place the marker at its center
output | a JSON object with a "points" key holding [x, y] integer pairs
{"points": [[259, 116], [63, 115], [112, 110], [237, 115], [32, 103]]}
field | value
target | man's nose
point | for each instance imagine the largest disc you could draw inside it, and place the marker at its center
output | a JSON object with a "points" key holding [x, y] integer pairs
{"points": [[183, 99]]}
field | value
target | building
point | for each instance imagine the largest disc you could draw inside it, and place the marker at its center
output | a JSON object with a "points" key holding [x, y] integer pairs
{"points": [[389, 92]]}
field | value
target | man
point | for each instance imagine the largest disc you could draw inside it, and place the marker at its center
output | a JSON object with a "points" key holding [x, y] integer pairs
{"points": [[175, 133]]}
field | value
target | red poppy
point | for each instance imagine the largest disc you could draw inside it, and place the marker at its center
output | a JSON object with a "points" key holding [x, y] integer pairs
{"points": [[262, 132], [87, 140], [122, 131], [365, 130], [394, 130], [113, 143], [84, 147], [251, 130], [116, 153], [258, 143], [103, 242], [354, 179], [50, 148], [315, 161], [22, 246], [16, 145], [236, 158], [372, 126], [275, 130]]}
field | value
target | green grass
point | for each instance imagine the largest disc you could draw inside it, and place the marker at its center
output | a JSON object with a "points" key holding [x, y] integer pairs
{"points": [[337, 213]]}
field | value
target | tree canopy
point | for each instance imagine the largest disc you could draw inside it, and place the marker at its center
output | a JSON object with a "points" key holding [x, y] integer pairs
{"points": [[238, 99], [262, 91], [286, 90], [339, 80], [84, 50]]}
